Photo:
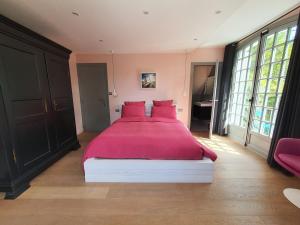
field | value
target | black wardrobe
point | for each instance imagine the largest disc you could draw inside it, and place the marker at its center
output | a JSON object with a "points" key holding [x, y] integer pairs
{"points": [[37, 124]]}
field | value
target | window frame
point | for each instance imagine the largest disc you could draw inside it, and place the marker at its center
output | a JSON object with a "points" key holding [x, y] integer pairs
{"points": [[260, 36], [234, 71], [268, 78]]}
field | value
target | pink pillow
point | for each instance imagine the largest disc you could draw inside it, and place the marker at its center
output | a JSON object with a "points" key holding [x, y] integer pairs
{"points": [[135, 103], [164, 111], [133, 111], [163, 103]]}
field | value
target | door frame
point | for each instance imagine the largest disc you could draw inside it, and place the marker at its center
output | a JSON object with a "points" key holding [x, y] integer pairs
{"points": [[106, 96], [193, 64]]}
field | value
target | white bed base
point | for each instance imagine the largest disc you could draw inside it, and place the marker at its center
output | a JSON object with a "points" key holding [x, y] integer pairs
{"points": [[148, 171]]}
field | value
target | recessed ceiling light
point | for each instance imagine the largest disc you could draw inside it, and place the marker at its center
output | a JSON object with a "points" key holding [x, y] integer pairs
{"points": [[146, 12], [218, 12], [100, 40], [75, 13], [195, 39]]}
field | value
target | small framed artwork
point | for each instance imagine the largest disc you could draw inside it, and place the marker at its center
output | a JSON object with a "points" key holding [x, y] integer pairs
{"points": [[148, 80]]}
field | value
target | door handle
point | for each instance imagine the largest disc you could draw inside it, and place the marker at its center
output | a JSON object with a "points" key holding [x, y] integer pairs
{"points": [[55, 103], [45, 105]]}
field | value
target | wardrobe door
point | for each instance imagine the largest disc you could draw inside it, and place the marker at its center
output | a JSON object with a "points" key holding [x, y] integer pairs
{"points": [[61, 96], [24, 84], [5, 172]]}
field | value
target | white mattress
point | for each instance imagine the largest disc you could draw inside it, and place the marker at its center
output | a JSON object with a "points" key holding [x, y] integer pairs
{"points": [[148, 171]]}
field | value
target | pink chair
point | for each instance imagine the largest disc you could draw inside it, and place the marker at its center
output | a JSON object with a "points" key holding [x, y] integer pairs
{"points": [[287, 154]]}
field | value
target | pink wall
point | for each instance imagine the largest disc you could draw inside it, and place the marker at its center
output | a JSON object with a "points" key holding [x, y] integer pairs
{"points": [[75, 93], [170, 78]]}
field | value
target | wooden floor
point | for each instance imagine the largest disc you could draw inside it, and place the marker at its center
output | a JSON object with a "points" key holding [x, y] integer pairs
{"points": [[245, 191]]}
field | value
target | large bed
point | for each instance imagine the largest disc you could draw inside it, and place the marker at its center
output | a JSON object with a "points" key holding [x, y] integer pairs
{"points": [[146, 149]]}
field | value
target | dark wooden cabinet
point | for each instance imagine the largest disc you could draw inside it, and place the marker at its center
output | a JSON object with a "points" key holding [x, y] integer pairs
{"points": [[24, 84], [36, 114]]}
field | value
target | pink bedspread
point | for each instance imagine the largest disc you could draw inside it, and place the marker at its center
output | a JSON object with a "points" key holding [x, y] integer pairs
{"points": [[147, 138]]}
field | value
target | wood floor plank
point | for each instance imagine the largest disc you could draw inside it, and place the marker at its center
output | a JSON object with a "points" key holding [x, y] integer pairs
{"points": [[134, 220], [137, 207], [78, 192]]}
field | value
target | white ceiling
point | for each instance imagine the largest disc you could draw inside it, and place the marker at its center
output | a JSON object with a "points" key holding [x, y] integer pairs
{"points": [[170, 26]]}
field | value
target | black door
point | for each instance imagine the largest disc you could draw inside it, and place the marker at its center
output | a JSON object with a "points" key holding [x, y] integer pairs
{"points": [[24, 83], [92, 78], [61, 98]]}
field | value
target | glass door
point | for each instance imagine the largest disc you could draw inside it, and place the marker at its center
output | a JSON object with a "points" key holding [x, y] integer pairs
{"points": [[257, 86], [241, 90], [271, 73]]}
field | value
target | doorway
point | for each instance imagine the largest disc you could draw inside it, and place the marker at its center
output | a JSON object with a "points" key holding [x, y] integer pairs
{"points": [[93, 88], [203, 82]]}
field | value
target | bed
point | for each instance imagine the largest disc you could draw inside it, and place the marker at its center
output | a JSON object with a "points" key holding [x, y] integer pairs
{"points": [[146, 149]]}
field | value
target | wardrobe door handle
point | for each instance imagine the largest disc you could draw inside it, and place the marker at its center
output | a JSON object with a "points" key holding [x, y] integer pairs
{"points": [[46, 105]]}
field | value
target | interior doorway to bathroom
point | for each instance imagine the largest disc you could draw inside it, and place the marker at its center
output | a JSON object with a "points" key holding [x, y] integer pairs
{"points": [[203, 83]]}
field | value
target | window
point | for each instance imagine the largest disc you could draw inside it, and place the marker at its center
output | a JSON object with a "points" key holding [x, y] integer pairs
{"points": [[242, 84], [261, 81], [276, 52]]}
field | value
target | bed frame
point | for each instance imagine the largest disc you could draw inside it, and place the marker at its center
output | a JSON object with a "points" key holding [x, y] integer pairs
{"points": [[148, 171]]}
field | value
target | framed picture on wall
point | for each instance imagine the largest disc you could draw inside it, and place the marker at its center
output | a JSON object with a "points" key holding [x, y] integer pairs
{"points": [[148, 80]]}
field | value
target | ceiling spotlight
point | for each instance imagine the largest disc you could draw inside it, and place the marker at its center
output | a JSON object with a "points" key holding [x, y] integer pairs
{"points": [[218, 12], [100, 40], [146, 12], [195, 39], [75, 13]]}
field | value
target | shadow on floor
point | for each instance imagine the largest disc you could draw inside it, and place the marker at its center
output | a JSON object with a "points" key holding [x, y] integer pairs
{"points": [[200, 127]]}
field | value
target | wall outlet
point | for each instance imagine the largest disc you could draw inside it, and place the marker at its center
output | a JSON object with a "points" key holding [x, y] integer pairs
{"points": [[180, 110], [117, 110]]}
